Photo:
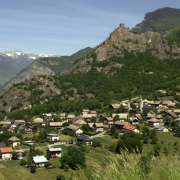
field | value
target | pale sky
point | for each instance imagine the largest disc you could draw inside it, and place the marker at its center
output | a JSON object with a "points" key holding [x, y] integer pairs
{"points": [[63, 27]]}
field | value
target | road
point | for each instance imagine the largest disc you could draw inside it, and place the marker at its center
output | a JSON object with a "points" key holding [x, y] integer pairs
{"points": [[99, 135]]}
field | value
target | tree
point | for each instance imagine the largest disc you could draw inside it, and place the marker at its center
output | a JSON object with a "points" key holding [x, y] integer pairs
{"points": [[74, 158], [157, 149], [96, 143], [60, 177], [23, 162], [33, 169], [129, 142], [15, 155]]}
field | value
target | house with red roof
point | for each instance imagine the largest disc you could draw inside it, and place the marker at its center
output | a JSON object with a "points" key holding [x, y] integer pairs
{"points": [[6, 153], [128, 128]]}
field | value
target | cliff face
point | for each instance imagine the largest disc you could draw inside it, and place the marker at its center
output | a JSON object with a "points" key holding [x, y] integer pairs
{"points": [[122, 39]]}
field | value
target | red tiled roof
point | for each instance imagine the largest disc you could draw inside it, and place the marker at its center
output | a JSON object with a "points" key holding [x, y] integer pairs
{"points": [[129, 127], [6, 150]]}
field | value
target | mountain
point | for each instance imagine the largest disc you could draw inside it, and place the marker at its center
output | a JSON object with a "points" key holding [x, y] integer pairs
{"points": [[161, 20], [120, 41], [127, 64], [46, 66], [11, 65]]}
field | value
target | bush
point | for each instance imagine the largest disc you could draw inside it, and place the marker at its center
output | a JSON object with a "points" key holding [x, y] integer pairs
{"points": [[33, 169], [23, 162], [96, 143], [60, 177]]}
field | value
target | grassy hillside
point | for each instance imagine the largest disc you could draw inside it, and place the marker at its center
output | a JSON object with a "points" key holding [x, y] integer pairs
{"points": [[174, 36]]}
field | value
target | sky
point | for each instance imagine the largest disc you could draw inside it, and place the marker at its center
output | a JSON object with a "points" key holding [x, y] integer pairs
{"points": [[63, 27]]}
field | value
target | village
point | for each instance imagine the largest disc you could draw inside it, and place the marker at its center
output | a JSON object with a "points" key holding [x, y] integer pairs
{"points": [[47, 132]]}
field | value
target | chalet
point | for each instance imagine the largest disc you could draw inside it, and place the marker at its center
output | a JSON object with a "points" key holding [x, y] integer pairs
{"points": [[85, 139], [87, 117], [75, 129], [154, 121], [177, 112], [49, 116], [6, 153], [79, 123], [169, 103], [54, 152], [14, 141], [39, 161], [39, 121], [108, 120], [93, 113], [90, 125], [98, 127], [19, 122], [85, 111], [161, 128], [5, 123], [159, 117], [114, 106], [171, 115], [63, 116], [57, 125], [70, 117], [122, 116], [135, 119], [120, 124], [29, 129], [128, 128], [53, 137]]}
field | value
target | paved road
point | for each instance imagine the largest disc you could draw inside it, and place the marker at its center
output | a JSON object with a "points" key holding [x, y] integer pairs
{"points": [[99, 135]]}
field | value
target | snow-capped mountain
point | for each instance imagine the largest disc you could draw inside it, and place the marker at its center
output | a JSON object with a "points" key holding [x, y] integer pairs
{"points": [[12, 62], [16, 54]]}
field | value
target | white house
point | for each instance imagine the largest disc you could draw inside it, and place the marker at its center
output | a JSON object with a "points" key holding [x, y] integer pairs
{"points": [[53, 137], [75, 129], [98, 127], [6, 153], [14, 141], [39, 161]]}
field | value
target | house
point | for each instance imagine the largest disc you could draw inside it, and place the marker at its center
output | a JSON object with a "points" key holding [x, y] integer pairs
{"points": [[63, 116], [70, 117], [39, 161], [177, 112], [134, 120], [14, 141], [6, 153], [98, 127], [57, 125], [114, 106], [161, 128], [122, 116], [2, 145], [128, 128], [79, 123], [85, 111], [85, 139], [54, 152], [49, 116], [154, 121], [120, 124], [75, 129], [90, 125], [53, 137], [19, 122], [39, 121], [5, 123], [108, 120]]}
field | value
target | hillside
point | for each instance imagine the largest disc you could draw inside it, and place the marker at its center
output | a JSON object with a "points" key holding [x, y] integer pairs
{"points": [[125, 65], [46, 66], [161, 20]]}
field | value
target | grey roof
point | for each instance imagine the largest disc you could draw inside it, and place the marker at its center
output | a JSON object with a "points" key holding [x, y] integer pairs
{"points": [[55, 149], [2, 145], [83, 138], [39, 159]]}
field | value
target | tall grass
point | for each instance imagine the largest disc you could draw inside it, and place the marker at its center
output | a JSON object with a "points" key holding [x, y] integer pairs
{"points": [[130, 167]]}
